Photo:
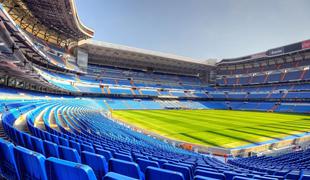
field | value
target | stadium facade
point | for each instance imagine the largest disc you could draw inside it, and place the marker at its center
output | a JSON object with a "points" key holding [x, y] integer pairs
{"points": [[59, 87]]}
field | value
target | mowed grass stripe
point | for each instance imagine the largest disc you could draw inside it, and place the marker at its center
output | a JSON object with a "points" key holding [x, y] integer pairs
{"points": [[216, 127]]}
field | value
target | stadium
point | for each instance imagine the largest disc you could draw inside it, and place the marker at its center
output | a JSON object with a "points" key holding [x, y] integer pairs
{"points": [[74, 107]]}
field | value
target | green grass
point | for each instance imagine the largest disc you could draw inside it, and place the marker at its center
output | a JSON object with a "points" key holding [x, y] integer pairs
{"points": [[221, 128]]}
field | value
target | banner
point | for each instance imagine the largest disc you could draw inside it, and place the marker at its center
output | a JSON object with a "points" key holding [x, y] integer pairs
{"points": [[275, 51], [305, 44], [292, 47]]}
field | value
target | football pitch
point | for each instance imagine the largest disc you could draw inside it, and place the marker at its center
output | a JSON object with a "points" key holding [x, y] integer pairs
{"points": [[220, 128]]}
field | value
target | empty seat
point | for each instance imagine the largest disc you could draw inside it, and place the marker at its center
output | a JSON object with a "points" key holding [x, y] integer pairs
{"points": [[153, 173], [30, 164], [123, 157], [58, 169], [88, 148], [293, 175], [210, 174], [182, 169], [116, 176], [107, 154], [8, 167], [75, 145], [241, 178], [27, 141], [63, 142], [69, 154], [125, 168], [202, 178], [50, 149], [144, 163], [37, 145], [231, 174], [96, 162]]}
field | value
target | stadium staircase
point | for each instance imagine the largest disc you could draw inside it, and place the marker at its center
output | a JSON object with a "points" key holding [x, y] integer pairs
{"points": [[2, 132], [266, 78], [284, 95], [107, 105], [283, 76], [274, 108], [102, 89], [140, 92], [303, 73], [132, 91], [108, 90]]}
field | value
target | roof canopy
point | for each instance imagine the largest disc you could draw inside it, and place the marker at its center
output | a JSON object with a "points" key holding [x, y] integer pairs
{"points": [[55, 21], [124, 56]]}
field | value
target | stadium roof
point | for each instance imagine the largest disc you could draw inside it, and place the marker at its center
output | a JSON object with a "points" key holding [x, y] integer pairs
{"points": [[275, 52], [113, 54], [55, 21]]}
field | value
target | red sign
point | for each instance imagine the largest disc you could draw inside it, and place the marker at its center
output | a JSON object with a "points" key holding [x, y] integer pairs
{"points": [[305, 44]]}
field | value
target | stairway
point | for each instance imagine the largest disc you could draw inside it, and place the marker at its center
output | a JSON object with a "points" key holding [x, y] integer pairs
{"points": [[266, 78], [274, 107], [283, 76], [2, 132], [132, 92], [140, 92], [102, 89], [303, 74], [108, 90]]}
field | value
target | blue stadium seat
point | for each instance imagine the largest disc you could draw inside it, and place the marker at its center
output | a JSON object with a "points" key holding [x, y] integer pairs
{"points": [[75, 145], [125, 168], [58, 169], [230, 174], [37, 145], [144, 163], [123, 157], [203, 178], [153, 173], [210, 174], [293, 175], [69, 154], [51, 149], [8, 167], [178, 168], [96, 162], [241, 178], [30, 164], [88, 148], [27, 141], [63, 142], [107, 154], [116, 176]]}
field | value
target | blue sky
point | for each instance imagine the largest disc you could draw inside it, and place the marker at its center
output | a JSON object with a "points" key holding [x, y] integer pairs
{"points": [[200, 29]]}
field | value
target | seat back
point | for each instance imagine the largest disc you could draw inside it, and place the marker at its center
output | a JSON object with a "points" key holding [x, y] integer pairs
{"points": [[88, 148], [107, 154], [75, 145], [153, 173], [123, 157], [69, 154], [30, 165], [7, 166], [116, 176], [58, 169], [37, 145], [144, 163], [230, 175], [51, 149], [96, 162], [125, 168], [182, 169], [210, 174]]}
